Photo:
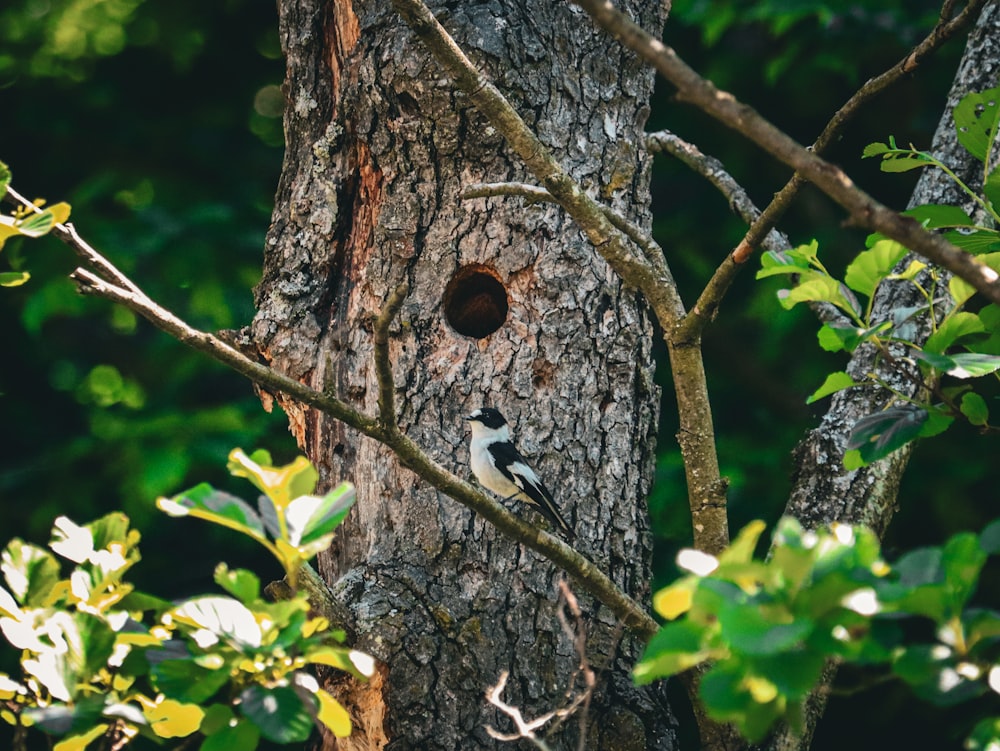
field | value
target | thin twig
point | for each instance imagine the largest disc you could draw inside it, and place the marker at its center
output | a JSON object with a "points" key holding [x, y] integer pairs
{"points": [[68, 234], [525, 729], [723, 106], [715, 172], [533, 193], [383, 367]]}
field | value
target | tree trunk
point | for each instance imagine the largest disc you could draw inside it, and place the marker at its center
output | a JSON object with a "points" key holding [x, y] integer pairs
{"points": [[509, 307]]}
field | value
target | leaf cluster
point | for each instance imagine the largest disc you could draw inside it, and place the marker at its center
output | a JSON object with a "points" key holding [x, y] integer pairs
{"points": [[963, 344], [102, 660], [769, 627]]}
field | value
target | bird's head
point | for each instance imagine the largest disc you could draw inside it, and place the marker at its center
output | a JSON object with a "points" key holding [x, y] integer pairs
{"points": [[487, 421]]}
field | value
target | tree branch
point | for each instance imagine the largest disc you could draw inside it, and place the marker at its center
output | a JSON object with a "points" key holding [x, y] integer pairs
{"points": [[715, 172], [532, 193], [707, 306], [590, 577], [723, 106], [763, 225], [383, 367]]}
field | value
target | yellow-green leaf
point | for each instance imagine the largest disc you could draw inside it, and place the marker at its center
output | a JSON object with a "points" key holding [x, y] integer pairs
{"points": [[675, 600], [333, 715], [80, 742], [173, 719]]}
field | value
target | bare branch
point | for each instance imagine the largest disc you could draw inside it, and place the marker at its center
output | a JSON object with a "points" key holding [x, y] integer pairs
{"points": [[383, 367], [715, 172], [532, 193], [724, 107]]}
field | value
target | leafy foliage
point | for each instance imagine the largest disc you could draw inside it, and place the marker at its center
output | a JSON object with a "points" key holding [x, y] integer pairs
{"points": [[24, 223], [767, 628], [99, 658], [961, 344]]}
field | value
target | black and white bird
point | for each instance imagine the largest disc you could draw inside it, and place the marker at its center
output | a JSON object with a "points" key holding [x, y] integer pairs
{"points": [[499, 467]]}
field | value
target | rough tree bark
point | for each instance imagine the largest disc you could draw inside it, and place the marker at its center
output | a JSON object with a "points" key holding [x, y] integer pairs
{"points": [[379, 148]]}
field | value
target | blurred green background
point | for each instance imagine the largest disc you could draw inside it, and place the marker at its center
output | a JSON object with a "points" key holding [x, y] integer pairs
{"points": [[160, 123]]}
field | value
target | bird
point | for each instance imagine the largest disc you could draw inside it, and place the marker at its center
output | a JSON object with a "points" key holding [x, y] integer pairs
{"points": [[499, 467]]}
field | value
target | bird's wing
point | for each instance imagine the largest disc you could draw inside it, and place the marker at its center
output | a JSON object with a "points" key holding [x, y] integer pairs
{"points": [[515, 468]]}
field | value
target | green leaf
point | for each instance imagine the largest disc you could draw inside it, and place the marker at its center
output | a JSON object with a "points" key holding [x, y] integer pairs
{"points": [[985, 736], [878, 435], [280, 484], [204, 502], [962, 559], [991, 189], [960, 290], [834, 382], [186, 680], [30, 572], [973, 365], [974, 408], [226, 618], [5, 178], [905, 162], [871, 266], [935, 216], [989, 538], [281, 713], [953, 329], [874, 149], [724, 691], [823, 289], [13, 278], [243, 736], [242, 584], [976, 117], [740, 550], [37, 225], [749, 630], [975, 241], [676, 647], [310, 518], [793, 261], [836, 337]]}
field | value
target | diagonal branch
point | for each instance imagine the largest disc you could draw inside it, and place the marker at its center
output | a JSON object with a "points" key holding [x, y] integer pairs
{"points": [[723, 106], [590, 577], [715, 172], [533, 193]]}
